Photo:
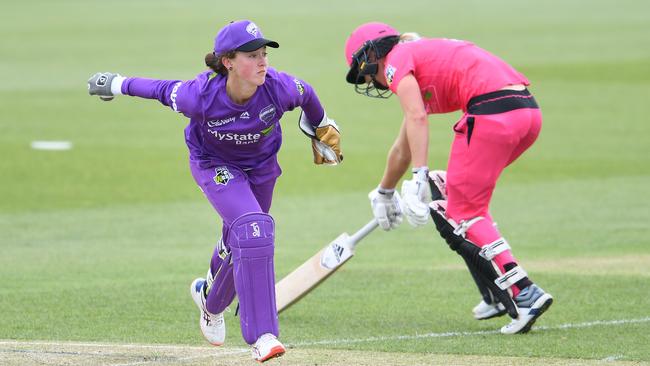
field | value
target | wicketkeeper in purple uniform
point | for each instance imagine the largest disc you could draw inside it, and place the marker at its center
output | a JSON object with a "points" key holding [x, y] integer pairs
{"points": [[233, 137]]}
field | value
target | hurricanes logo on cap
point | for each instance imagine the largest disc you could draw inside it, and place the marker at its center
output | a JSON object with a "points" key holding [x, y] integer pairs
{"points": [[252, 29]]}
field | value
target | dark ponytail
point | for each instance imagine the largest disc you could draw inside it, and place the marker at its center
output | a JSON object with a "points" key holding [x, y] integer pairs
{"points": [[213, 61]]}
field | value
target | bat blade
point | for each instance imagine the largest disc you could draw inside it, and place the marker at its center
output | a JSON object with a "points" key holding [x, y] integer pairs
{"points": [[314, 271]]}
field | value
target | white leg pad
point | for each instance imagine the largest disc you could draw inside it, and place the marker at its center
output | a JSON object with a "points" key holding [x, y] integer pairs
{"points": [[493, 249], [510, 278]]}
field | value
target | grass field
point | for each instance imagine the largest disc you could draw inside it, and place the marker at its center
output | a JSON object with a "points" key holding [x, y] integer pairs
{"points": [[98, 244]]}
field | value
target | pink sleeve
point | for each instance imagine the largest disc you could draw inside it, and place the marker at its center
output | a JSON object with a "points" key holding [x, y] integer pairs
{"points": [[398, 64]]}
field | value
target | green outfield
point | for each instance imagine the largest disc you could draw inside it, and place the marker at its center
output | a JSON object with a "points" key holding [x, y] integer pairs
{"points": [[98, 244]]}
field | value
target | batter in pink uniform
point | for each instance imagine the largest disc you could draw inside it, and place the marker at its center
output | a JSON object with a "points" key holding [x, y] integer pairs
{"points": [[501, 120]]}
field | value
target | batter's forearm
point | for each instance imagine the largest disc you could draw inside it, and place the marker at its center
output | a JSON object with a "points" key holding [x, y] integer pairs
{"points": [[397, 163], [417, 131]]}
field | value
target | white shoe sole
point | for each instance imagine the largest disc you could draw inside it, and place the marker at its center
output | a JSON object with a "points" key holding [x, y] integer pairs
{"points": [[275, 352], [523, 326]]}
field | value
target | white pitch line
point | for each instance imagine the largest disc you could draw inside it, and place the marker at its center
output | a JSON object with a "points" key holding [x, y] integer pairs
{"points": [[467, 334], [232, 351]]}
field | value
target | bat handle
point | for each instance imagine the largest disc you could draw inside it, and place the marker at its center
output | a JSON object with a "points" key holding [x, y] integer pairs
{"points": [[364, 231]]}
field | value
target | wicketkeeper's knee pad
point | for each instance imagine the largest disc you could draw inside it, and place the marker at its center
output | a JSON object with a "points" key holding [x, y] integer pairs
{"points": [[476, 258], [251, 238]]}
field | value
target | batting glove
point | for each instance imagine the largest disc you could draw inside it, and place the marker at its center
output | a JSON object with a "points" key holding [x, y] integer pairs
{"points": [[415, 197], [386, 207], [100, 85]]}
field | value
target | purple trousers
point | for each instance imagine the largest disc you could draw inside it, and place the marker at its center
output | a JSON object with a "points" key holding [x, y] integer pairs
{"points": [[234, 192]]}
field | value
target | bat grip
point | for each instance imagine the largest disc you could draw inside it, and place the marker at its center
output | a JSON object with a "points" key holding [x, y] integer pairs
{"points": [[363, 232]]}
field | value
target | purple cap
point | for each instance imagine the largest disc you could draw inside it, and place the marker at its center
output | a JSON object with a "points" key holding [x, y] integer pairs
{"points": [[242, 35]]}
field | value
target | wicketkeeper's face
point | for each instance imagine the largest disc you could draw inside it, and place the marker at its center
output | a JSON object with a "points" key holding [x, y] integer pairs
{"points": [[251, 66]]}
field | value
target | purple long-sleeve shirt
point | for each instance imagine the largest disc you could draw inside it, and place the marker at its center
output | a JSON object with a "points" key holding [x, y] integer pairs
{"points": [[222, 132]]}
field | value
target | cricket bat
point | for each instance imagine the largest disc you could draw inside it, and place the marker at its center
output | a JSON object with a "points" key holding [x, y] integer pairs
{"points": [[317, 268]]}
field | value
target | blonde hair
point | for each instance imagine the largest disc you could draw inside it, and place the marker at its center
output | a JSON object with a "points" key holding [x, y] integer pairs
{"points": [[409, 37]]}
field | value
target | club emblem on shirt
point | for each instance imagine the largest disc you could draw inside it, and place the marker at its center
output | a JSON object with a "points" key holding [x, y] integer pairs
{"points": [[222, 175], [267, 113], [390, 73]]}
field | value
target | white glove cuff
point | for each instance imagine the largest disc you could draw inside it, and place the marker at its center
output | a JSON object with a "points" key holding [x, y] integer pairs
{"points": [[326, 121], [116, 85], [421, 173], [385, 191], [306, 125]]}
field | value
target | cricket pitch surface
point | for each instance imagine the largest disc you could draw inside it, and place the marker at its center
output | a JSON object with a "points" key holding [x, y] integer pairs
{"points": [[28, 353]]}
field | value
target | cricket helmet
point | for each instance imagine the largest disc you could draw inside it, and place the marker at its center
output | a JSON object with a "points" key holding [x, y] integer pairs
{"points": [[367, 44]]}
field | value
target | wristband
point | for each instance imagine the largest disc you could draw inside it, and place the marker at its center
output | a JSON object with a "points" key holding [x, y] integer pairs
{"points": [[116, 85], [386, 192]]}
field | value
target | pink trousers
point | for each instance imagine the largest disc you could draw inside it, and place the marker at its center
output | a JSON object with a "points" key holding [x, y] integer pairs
{"points": [[483, 146]]}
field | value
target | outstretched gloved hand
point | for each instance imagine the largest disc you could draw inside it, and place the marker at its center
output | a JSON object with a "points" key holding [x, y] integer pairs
{"points": [[415, 197], [100, 85]]}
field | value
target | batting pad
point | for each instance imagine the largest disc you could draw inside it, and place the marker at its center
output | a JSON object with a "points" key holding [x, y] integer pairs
{"points": [[252, 245]]}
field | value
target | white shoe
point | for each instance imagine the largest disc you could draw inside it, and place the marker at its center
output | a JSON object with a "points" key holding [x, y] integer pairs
{"points": [[213, 326], [267, 347], [484, 310], [531, 302]]}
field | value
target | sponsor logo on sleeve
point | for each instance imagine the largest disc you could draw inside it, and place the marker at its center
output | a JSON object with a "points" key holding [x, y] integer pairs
{"points": [[174, 94], [390, 73], [267, 113], [222, 175], [299, 86]]}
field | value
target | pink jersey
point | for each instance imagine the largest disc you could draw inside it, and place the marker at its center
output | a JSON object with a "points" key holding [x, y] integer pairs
{"points": [[450, 72]]}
